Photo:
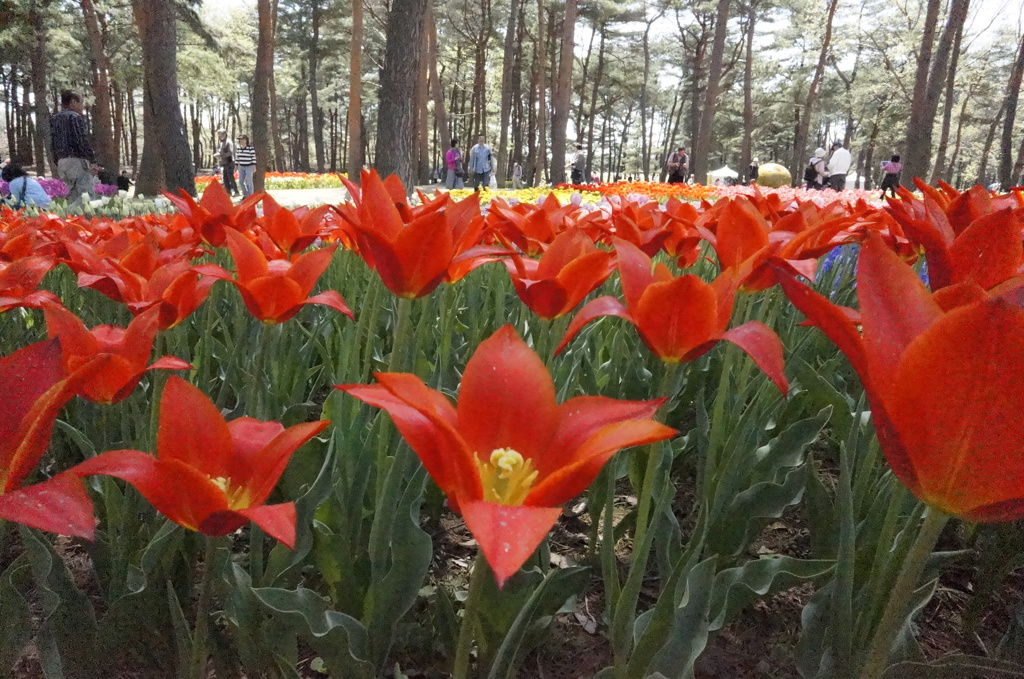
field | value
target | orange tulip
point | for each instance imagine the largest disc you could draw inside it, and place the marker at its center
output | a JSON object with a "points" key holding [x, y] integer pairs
{"points": [[507, 455], [215, 213], [209, 475], [682, 318], [946, 388], [570, 269], [20, 280], [125, 352], [275, 290]]}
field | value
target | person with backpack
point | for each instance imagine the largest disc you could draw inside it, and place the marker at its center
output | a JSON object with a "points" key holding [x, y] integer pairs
{"points": [[891, 177], [517, 176], [678, 166], [454, 177], [815, 172], [25, 191]]}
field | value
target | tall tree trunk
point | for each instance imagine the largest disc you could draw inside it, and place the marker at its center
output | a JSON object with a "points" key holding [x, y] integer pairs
{"points": [[355, 90], [437, 92], [702, 145], [261, 90], [396, 116], [645, 151], [913, 162], [133, 129], [156, 21], [987, 147], [421, 93], [197, 142], [746, 146], [800, 141], [1010, 117], [592, 113], [42, 137], [511, 48], [314, 98], [947, 108], [542, 85], [961, 119], [301, 128], [104, 142], [150, 177], [562, 93]]}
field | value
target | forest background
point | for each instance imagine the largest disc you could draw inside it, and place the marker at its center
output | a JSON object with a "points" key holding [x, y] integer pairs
{"points": [[326, 85]]}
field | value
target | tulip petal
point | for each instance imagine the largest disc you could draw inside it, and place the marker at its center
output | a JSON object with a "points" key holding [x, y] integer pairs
{"points": [[507, 398], [762, 344], [569, 481], [676, 316], [895, 308], [260, 471], [956, 404], [507, 535], [277, 521], [250, 262], [635, 271], [308, 268], [58, 505], [170, 363], [192, 430], [988, 251], [332, 299], [25, 376], [602, 306]]}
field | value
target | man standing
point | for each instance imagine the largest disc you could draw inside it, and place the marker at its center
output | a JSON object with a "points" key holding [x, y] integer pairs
{"points": [[246, 158], [69, 143], [838, 166], [479, 163], [678, 166], [517, 176], [579, 163], [226, 154]]}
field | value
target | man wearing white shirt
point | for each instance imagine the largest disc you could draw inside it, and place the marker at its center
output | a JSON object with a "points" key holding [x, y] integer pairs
{"points": [[838, 166]]}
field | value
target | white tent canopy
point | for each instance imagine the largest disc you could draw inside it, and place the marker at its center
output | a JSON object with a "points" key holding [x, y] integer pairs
{"points": [[723, 172]]}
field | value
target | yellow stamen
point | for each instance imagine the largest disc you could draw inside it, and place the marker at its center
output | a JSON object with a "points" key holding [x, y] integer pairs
{"points": [[507, 477], [237, 498]]}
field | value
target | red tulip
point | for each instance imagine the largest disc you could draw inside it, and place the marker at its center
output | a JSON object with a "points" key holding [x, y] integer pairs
{"points": [[412, 249], [275, 290], [570, 269], [20, 280], [215, 213], [125, 352], [507, 455], [682, 318], [946, 388], [35, 389], [209, 475]]}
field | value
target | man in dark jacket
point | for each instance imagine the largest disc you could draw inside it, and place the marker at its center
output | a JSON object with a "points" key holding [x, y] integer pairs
{"points": [[69, 139]]}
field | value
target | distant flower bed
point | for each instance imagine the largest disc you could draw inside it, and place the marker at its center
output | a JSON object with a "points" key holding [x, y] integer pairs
{"points": [[288, 180], [531, 195], [657, 190], [54, 188], [106, 190]]}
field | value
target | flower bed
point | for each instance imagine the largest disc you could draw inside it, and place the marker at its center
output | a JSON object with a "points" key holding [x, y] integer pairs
{"points": [[287, 180], [215, 410]]}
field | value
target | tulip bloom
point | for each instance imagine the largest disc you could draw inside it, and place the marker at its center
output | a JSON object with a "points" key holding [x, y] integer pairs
{"points": [[215, 214], [411, 249], [209, 475], [570, 269], [275, 290], [291, 231], [507, 455], [682, 318], [946, 388], [35, 389], [19, 283], [125, 352]]}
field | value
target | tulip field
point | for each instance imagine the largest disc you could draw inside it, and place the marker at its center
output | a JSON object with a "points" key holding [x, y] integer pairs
{"points": [[544, 437]]}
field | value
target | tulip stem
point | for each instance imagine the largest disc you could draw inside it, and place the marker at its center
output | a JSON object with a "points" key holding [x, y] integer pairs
{"points": [[469, 617], [665, 388], [201, 631], [902, 592]]}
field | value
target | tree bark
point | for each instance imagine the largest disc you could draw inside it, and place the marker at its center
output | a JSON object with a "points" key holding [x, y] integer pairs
{"points": [[800, 141], [355, 90], [592, 113], [702, 145], [987, 147], [261, 90], [915, 161], [947, 109], [314, 98], [396, 115], [511, 48], [104, 142], [746, 146], [437, 92], [562, 94], [42, 136], [1010, 117], [156, 21]]}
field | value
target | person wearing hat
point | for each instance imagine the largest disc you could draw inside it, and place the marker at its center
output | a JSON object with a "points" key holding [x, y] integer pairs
{"points": [[752, 171], [226, 155], [838, 166]]}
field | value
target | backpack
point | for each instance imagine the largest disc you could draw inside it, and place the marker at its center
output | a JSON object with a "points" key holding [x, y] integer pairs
{"points": [[811, 174]]}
